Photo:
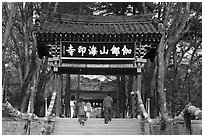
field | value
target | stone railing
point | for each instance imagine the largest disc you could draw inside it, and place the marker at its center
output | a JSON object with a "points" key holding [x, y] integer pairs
{"points": [[176, 128], [18, 120], [26, 123], [48, 127], [14, 126], [196, 127]]}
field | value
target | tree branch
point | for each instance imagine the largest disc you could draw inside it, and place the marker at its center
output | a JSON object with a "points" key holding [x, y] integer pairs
{"points": [[9, 24]]}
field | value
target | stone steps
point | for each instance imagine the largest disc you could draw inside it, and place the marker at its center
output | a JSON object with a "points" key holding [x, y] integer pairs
{"points": [[96, 126]]}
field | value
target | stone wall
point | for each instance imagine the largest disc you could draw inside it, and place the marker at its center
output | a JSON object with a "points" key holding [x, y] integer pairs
{"points": [[178, 129], [16, 127], [196, 126]]}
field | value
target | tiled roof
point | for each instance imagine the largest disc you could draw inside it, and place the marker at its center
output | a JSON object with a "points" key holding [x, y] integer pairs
{"points": [[78, 24]]}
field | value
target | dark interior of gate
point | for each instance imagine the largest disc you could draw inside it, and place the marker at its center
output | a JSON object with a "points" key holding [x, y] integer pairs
{"points": [[98, 45]]}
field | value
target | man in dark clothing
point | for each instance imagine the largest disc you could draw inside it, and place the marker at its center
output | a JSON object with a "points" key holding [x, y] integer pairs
{"points": [[81, 112], [107, 105]]}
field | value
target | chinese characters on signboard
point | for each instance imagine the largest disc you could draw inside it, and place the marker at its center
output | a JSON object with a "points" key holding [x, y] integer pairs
{"points": [[98, 55], [97, 50], [75, 65]]}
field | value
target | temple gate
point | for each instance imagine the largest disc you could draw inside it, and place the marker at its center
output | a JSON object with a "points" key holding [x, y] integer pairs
{"points": [[105, 45]]}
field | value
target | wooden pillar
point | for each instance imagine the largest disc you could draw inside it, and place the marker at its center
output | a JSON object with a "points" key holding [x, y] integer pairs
{"points": [[67, 96], [58, 101], [123, 97], [134, 97], [57, 86], [78, 86], [62, 95], [118, 98], [139, 83], [139, 76], [130, 82]]}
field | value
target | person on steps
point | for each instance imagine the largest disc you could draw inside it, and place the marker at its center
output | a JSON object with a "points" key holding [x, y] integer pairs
{"points": [[81, 112], [107, 105], [88, 110], [72, 106]]}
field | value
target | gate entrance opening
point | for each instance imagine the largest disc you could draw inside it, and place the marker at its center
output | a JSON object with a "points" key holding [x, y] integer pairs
{"points": [[98, 45]]}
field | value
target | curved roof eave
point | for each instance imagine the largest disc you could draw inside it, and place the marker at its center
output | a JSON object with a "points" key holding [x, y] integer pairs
{"points": [[100, 24]]}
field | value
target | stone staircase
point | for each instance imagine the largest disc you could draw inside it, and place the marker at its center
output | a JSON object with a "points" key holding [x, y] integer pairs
{"points": [[96, 126]]}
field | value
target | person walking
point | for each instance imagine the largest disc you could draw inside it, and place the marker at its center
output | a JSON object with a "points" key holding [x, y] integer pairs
{"points": [[72, 106], [107, 105], [81, 112], [88, 110]]}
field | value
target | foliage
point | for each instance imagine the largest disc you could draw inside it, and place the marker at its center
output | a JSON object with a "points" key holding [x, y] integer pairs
{"points": [[15, 113], [20, 50], [188, 57], [83, 8], [123, 8]]}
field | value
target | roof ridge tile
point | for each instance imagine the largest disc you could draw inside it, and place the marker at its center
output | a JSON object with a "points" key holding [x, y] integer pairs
{"points": [[102, 19]]}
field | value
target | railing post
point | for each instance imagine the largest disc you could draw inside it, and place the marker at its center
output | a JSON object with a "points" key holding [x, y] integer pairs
{"points": [[148, 106], [45, 107], [27, 127]]}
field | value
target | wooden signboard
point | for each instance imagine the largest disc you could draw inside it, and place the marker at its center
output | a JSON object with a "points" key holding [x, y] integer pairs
{"points": [[106, 55], [97, 51]]}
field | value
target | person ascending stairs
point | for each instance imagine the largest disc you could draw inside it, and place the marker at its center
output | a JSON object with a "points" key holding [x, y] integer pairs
{"points": [[107, 105], [81, 112]]}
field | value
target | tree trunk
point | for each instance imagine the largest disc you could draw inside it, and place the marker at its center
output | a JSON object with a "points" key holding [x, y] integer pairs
{"points": [[161, 68], [42, 91], [175, 81], [154, 94], [5, 38], [174, 34], [139, 98], [25, 102], [9, 23], [31, 73], [144, 8], [33, 91]]}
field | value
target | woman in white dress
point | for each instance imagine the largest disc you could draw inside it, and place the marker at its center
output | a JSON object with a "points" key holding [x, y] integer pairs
{"points": [[88, 109], [72, 106]]}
